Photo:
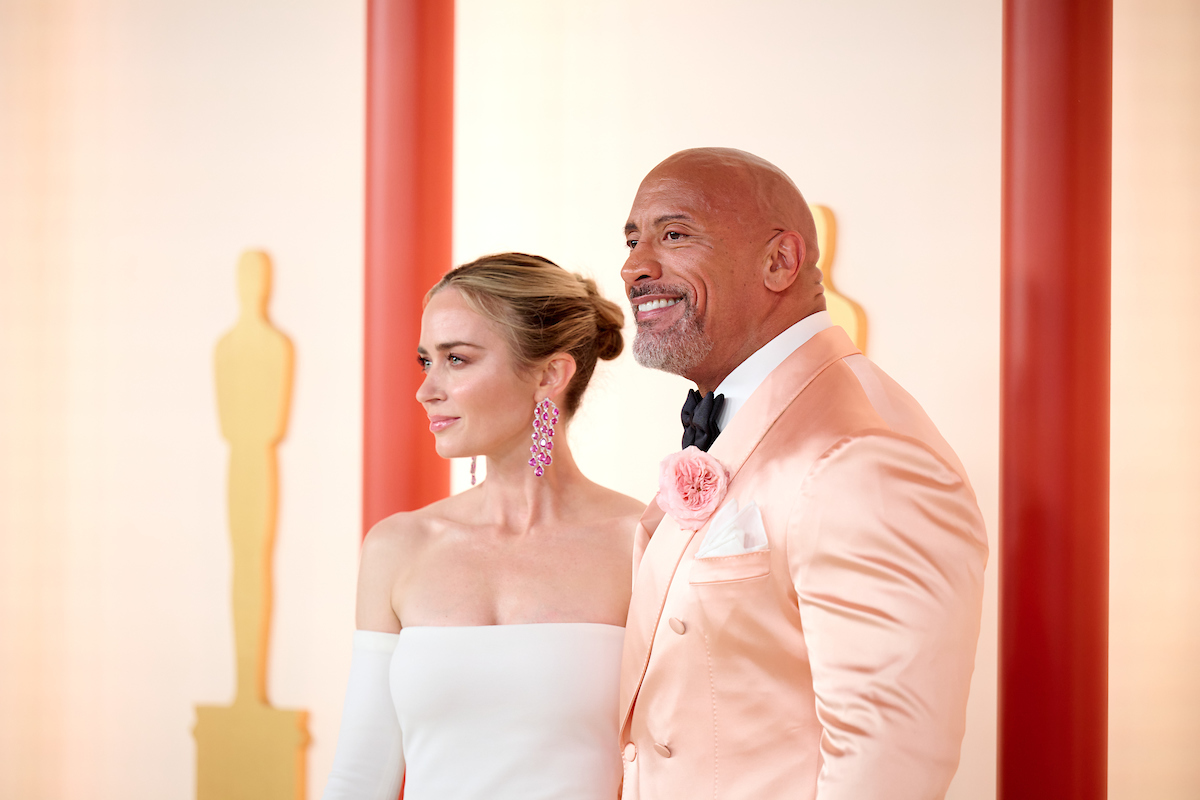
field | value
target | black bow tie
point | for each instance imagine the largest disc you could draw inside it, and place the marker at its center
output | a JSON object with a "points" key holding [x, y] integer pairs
{"points": [[700, 417]]}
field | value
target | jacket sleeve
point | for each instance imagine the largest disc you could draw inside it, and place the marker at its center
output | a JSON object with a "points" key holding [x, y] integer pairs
{"points": [[886, 549], [369, 761]]}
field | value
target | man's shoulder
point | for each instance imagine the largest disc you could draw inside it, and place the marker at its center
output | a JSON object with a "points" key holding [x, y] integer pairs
{"points": [[854, 397], [832, 404]]}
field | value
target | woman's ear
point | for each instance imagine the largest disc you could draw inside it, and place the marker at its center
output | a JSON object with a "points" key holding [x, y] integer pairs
{"points": [[556, 375], [783, 261]]}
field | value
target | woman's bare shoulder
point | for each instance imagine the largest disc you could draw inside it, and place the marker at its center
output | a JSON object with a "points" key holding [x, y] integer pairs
{"points": [[394, 532], [405, 531], [392, 550], [620, 510], [630, 507]]}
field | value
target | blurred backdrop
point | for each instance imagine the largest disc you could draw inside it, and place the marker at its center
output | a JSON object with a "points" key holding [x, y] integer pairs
{"points": [[144, 145]]}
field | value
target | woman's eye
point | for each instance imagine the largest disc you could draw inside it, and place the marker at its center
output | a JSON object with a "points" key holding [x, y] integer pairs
{"points": [[453, 359], [423, 362]]}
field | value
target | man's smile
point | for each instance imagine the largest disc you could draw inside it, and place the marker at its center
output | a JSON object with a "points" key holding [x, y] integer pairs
{"points": [[651, 302], [654, 305], [657, 308]]}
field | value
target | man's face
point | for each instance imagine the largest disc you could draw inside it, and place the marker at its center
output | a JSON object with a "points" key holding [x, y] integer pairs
{"points": [[689, 276]]}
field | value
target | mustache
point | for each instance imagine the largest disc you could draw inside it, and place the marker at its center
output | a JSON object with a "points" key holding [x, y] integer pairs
{"points": [[676, 289]]}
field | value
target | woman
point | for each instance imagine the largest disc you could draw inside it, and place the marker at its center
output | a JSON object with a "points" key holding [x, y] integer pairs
{"points": [[490, 623]]}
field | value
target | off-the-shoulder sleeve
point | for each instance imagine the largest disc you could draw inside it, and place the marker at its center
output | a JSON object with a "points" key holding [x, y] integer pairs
{"points": [[369, 761], [886, 549]]}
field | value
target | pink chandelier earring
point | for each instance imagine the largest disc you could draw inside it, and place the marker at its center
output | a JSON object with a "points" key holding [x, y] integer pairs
{"points": [[545, 417]]}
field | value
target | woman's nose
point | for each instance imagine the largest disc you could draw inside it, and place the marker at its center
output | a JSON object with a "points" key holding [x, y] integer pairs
{"points": [[429, 389]]}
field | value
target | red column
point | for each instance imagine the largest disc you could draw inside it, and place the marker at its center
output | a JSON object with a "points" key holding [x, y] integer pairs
{"points": [[410, 128], [1053, 694]]}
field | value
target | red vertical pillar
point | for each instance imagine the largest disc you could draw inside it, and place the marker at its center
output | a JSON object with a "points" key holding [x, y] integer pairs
{"points": [[409, 150], [1053, 694]]}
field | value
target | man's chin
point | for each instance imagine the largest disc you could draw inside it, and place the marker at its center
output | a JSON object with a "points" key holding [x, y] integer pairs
{"points": [[673, 354]]}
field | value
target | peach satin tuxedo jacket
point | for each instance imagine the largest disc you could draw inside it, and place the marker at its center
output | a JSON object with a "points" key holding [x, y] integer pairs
{"points": [[836, 663]]}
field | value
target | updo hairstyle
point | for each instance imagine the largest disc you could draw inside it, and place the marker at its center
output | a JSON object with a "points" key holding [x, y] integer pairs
{"points": [[541, 309]]}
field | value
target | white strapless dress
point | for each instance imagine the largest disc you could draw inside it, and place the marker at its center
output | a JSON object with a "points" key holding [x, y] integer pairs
{"points": [[527, 712], [509, 711]]}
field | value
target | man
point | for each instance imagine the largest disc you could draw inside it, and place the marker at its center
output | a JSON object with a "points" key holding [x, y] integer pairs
{"points": [[815, 636]]}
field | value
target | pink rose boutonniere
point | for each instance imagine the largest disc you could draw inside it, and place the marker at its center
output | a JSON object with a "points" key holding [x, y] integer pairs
{"points": [[691, 484]]}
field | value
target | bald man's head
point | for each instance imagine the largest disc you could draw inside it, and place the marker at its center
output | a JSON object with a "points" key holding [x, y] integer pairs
{"points": [[750, 189], [723, 254]]}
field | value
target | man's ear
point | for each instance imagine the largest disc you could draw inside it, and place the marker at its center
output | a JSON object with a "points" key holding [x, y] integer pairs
{"points": [[556, 376], [783, 261]]}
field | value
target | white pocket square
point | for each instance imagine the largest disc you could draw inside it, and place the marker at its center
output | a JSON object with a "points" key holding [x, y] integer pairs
{"points": [[734, 532]]}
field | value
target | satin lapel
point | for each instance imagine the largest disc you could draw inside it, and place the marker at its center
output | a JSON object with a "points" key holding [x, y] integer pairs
{"points": [[651, 582], [660, 544]]}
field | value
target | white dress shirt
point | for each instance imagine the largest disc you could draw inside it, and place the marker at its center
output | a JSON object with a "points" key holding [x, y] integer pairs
{"points": [[749, 375]]}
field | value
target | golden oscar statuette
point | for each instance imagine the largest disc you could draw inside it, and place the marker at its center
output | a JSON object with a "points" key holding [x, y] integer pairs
{"points": [[842, 309], [249, 750]]}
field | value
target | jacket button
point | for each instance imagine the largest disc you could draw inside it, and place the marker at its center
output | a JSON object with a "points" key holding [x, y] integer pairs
{"points": [[677, 625], [630, 751], [662, 750]]}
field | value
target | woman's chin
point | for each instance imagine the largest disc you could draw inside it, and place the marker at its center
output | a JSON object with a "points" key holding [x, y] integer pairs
{"points": [[449, 450]]}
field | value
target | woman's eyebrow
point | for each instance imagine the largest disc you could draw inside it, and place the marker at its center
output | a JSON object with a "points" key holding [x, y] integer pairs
{"points": [[441, 348]]}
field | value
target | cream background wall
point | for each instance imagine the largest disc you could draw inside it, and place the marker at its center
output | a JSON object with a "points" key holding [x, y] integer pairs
{"points": [[1154, 624], [144, 145]]}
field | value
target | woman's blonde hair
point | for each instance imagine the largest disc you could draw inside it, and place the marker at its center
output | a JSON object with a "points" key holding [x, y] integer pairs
{"points": [[541, 309]]}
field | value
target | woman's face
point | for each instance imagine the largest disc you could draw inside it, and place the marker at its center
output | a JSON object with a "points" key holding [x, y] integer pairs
{"points": [[476, 400]]}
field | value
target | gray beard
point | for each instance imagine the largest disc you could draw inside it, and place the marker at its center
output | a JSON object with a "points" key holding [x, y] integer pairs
{"points": [[678, 350]]}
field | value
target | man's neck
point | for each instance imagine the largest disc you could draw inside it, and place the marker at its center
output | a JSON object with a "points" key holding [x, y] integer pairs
{"points": [[761, 334], [746, 378]]}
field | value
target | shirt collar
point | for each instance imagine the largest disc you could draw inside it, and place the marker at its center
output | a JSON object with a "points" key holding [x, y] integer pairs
{"points": [[749, 375]]}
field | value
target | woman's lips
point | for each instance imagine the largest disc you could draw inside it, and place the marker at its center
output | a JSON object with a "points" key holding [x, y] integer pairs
{"points": [[439, 424]]}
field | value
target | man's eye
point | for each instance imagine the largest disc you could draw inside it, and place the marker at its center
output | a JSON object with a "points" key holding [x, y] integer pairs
{"points": [[631, 243], [674, 236]]}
